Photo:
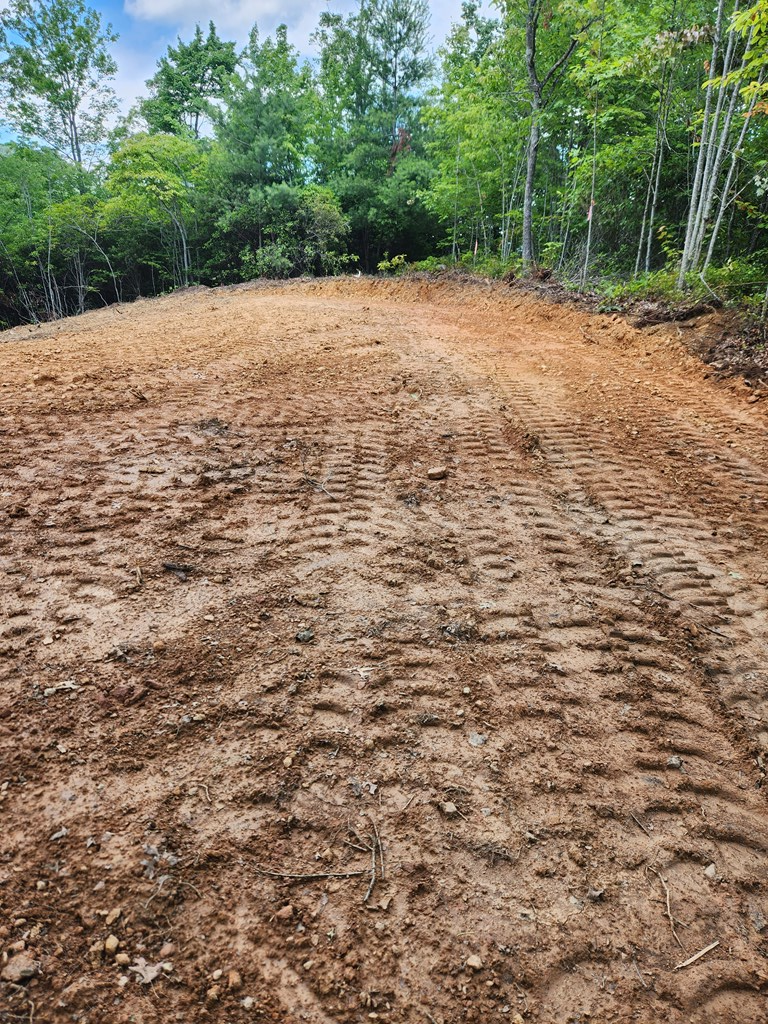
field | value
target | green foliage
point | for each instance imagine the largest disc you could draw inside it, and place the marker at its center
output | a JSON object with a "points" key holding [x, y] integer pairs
{"points": [[56, 74], [188, 81]]}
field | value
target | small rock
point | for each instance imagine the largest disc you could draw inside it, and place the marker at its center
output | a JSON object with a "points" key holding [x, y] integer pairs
{"points": [[234, 981], [474, 962], [437, 473], [305, 636], [248, 1003], [450, 810], [675, 762], [122, 959], [217, 974], [167, 950], [285, 913], [287, 762], [111, 944], [112, 916], [595, 895], [477, 739], [213, 995], [308, 965], [19, 969], [710, 871]]}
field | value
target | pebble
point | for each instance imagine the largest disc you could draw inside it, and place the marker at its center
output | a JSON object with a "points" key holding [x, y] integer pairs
{"points": [[167, 950], [449, 809], [213, 994], [217, 974], [248, 1003], [287, 762], [675, 762], [305, 636], [710, 871], [122, 959], [475, 962], [285, 912], [234, 981], [111, 944], [477, 739], [437, 473], [113, 915], [20, 968]]}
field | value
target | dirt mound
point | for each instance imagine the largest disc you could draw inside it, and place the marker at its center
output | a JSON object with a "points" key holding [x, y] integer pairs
{"points": [[379, 650]]}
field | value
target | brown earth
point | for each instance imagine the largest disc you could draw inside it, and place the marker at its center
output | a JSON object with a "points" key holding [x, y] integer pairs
{"points": [[246, 635]]}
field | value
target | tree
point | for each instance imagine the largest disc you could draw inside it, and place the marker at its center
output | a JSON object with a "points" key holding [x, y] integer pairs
{"points": [[154, 178], [55, 73], [565, 32], [187, 83]]}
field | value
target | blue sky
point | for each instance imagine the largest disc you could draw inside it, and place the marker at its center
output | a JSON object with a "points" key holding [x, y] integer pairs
{"points": [[146, 27]]}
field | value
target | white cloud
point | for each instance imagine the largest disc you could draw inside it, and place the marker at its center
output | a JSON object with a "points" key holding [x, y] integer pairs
{"points": [[236, 16]]}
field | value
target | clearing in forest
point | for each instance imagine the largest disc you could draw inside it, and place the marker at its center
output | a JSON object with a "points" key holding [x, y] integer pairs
{"points": [[379, 651]]}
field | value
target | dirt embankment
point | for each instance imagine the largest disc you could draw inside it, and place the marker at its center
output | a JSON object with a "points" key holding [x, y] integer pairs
{"points": [[379, 651]]}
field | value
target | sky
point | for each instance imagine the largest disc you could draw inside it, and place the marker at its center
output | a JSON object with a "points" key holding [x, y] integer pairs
{"points": [[146, 28]]}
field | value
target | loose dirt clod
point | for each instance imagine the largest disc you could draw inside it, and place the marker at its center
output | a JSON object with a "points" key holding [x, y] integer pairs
{"points": [[348, 719]]}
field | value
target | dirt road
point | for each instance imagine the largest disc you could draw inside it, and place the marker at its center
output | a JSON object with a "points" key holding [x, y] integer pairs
{"points": [[450, 601]]}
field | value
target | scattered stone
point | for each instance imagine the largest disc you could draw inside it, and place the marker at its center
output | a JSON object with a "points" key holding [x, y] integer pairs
{"points": [[308, 965], [234, 981], [477, 739], [167, 950], [122, 959], [213, 995], [437, 473], [595, 895], [305, 636], [20, 969], [450, 810], [675, 762], [287, 761], [710, 871], [474, 962], [112, 916], [285, 913], [217, 974], [111, 944], [248, 1003]]}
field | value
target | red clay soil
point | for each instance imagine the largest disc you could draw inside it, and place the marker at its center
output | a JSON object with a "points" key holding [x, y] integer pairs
{"points": [[379, 651]]}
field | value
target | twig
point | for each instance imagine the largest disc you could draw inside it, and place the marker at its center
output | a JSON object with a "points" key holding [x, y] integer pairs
{"points": [[639, 973], [373, 875], [380, 848], [716, 633], [411, 798], [309, 877], [699, 955], [642, 826], [669, 908]]}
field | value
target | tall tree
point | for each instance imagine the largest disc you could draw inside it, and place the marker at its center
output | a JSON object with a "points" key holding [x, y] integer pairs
{"points": [[188, 81], [56, 74], [565, 30]]}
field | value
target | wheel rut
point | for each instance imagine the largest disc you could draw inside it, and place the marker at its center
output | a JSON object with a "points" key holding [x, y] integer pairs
{"points": [[540, 678]]}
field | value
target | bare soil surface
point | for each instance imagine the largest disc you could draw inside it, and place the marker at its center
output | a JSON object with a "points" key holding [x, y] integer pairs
{"points": [[384, 652]]}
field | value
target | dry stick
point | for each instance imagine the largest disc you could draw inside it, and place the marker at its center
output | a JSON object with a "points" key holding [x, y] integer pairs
{"points": [[642, 826], [373, 874], [639, 973], [381, 848], [309, 877], [699, 955], [669, 908]]}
